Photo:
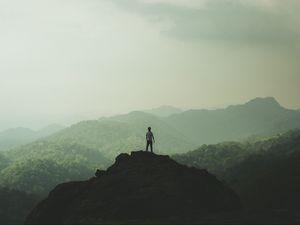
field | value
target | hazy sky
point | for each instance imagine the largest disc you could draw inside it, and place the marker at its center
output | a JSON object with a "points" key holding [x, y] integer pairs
{"points": [[80, 58]]}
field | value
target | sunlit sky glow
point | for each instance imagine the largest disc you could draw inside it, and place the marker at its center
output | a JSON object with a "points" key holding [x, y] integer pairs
{"points": [[63, 59]]}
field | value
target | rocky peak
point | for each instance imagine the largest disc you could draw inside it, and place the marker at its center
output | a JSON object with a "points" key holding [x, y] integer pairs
{"points": [[138, 188], [267, 102]]}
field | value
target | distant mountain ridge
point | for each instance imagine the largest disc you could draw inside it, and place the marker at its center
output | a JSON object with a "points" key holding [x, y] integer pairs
{"points": [[14, 137], [164, 111], [258, 102], [260, 116]]}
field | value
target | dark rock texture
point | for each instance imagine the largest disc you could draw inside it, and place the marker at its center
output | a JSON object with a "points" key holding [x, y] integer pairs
{"points": [[137, 188]]}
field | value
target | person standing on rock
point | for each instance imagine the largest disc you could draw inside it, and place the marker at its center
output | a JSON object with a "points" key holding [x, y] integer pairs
{"points": [[150, 139]]}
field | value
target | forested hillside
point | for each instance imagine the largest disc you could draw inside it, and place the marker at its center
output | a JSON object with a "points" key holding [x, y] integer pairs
{"points": [[28, 173], [38, 167], [3, 161], [270, 177], [265, 174]]}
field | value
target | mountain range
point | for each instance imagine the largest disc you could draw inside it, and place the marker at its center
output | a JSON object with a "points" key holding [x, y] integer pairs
{"points": [[105, 138], [260, 116], [176, 131], [182, 131], [73, 153]]}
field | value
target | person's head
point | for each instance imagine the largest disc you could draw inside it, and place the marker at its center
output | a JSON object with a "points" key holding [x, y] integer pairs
{"points": [[149, 128]]}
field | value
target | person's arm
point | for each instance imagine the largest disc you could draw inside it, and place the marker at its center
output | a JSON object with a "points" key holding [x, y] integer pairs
{"points": [[153, 138]]}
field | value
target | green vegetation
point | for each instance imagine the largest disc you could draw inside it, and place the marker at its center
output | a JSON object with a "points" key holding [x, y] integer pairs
{"points": [[3, 162], [40, 176], [217, 159], [30, 172], [38, 167], [265, 173], [269, 178]]}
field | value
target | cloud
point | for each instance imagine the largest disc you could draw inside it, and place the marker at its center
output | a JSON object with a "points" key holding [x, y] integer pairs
{"points": [[237, 21]]}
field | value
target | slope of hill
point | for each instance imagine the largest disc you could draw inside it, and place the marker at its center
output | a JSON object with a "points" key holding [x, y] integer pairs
{"points": [[217, 158], [139, 188], [261, 116], [269, 178], [15, 137], [265, 174], [164, 111], [29, 172]]}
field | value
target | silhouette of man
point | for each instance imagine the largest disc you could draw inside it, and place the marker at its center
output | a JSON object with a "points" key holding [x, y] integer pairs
{"points": [[150, 139]]}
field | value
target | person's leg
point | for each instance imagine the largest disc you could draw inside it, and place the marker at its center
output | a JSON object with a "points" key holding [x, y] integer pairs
{"points": [[151, 146], [147, 146]]}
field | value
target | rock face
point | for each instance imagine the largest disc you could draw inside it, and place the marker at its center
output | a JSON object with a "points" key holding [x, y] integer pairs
{"points": [[137, 188]]}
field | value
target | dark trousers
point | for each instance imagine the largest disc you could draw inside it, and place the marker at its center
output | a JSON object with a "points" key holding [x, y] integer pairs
{"points": [[151, 146]]}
